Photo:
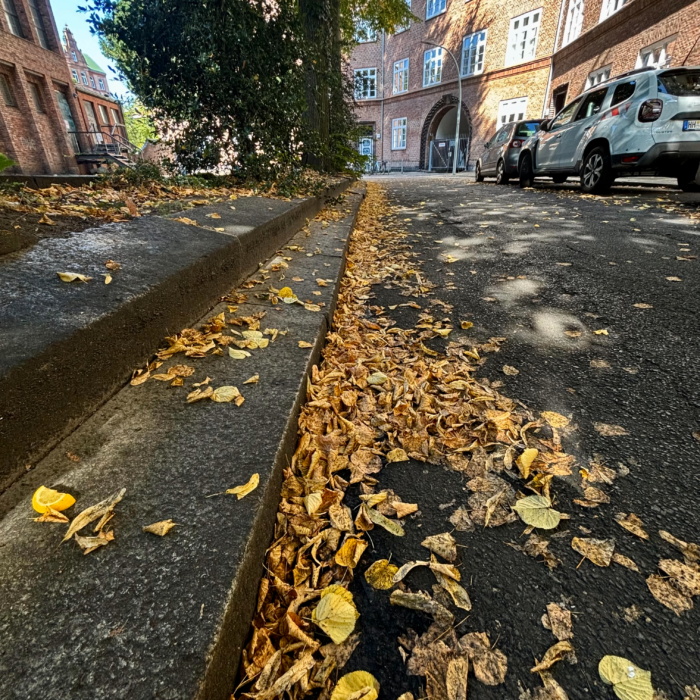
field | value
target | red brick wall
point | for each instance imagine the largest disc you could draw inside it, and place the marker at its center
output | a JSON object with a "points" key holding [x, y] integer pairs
{"points": [[35, 140], [617, 40], [481, 94]]}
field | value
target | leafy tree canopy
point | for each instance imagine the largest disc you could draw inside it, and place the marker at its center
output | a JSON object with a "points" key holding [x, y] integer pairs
{"points": [[138, 121]]}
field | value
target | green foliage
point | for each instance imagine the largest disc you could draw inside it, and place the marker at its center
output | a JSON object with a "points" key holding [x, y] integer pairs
{"points": [[139, 124], [141, 174], [5, 162]]}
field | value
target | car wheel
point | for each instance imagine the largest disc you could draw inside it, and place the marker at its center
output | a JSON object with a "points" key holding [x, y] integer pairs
{"points": [[596, 172], [501, 177], [477, 173], [559, 179], [527, 175]]}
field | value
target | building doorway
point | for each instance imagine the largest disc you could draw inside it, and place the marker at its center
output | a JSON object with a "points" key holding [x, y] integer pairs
{"points": [[438, 146]]}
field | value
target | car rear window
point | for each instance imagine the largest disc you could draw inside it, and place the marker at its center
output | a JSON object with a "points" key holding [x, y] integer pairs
{"points": [[623, 92], [680, 83], [527, 129]]}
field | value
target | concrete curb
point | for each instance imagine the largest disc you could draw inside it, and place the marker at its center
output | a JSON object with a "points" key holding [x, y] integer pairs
{"points": [[77, 370], [165, 618]]}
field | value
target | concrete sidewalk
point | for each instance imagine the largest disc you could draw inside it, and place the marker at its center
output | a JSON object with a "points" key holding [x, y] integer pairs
{"points": [[148, 617], [67, 347]]}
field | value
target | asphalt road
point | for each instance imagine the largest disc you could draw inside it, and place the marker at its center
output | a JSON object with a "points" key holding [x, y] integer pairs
{"points": [[531, 265]]}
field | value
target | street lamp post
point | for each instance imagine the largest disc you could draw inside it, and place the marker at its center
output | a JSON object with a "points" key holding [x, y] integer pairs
{"points": [[459, 106]]}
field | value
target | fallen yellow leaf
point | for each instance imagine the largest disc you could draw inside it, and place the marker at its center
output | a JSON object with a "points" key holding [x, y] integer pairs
{"points": [[245, 489]]}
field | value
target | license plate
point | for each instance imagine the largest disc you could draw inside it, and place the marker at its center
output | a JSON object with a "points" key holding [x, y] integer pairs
{"points": [[691, 125]]}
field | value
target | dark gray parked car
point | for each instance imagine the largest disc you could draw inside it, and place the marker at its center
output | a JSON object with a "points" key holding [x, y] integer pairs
{"points": [[501, 153]]}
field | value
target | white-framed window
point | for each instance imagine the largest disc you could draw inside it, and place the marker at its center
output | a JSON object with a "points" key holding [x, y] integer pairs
{"points": [[102, 84], [434, 7], [511, 110], [365, 83], [432, 67], [74, 73], [473, 50], [406, 26], [610, 7], [398, 134], [657, 55], [401, 76], [364, 33], [74, 55], [522, 38], [84, 77], [598, 76], [574, 21], [92, 82]]}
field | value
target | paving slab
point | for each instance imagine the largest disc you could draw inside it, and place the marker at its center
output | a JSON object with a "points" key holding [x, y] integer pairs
{"points": [[66, 348], [149, 617]]}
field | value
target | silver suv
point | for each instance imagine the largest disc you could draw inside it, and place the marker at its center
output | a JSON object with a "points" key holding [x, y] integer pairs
{"points": [[644, 121], [500, 157]]}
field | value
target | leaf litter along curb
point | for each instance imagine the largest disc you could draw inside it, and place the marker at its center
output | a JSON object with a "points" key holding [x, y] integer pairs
{"points": [[380, 395]]}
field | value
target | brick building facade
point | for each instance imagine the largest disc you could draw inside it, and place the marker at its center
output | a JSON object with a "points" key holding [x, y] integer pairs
{"points": [[46, 118], [518, 59], [83, 69]]}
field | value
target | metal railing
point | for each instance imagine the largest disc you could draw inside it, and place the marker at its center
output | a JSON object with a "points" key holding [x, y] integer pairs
{"points": [[96, 142]]}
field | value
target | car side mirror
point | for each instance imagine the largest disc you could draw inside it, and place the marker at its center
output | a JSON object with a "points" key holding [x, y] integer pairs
{"points": [[544, 126], [596, 109]]}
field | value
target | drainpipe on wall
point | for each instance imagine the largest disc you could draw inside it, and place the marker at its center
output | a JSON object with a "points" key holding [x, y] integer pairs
{"points": [[545, 106], [381, 127]]}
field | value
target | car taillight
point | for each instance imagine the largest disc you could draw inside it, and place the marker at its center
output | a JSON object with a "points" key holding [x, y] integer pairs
{"points": [[650, 110], [516, 143]]}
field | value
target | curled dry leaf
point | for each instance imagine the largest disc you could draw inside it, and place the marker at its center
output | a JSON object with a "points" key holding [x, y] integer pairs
{"points": [[351, 551], [226, 394], [690, 551], [99, 510], [253, 380], [72, 277], [628, 681], [397, 455], [610, 430], [525, 461], [537, 511], [161, 528], [556, 420], [238, 354], [555, 653], [52, 516], [108, 278], [600, 552], [288, 679], [246, 488], [111, 265], [443, 544], [669, 595], [304, 344], [358, 685], [390, 525], [404, 509], [336, 613], [380, 575], [632, 523], [685, 578], [459, 596], [90, 544], [510, 370], [423, 603], [200, 394]]}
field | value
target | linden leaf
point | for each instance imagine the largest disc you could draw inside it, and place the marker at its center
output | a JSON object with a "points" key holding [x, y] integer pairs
{"points": [[358, 685], [443, 545], [397, 455], [525, 461], [225, 394], [351, 551], [555, 653], [304, 344], [72, 277], [600, 552], [510, 371], [629, 682], [380, 575], [537, 511], [556, 420], [336, 613], [238, 354], [245, 489]]}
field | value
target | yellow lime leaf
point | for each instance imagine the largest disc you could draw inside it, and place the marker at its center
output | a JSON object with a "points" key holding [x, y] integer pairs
{"points": [[244, 490], [351, 551], [304, 344], [466, 325], [602, 331], [353, 684], [628, 681], [525, 461], [397, 455], [336, 613], [556, 420], [160, 528], [285, 293], [72, 277], [377, 378], [253, 380], [108, 279], [537, 511], [600, 552], [381, 574], [45, 499], [224, 394], [238, 354]]}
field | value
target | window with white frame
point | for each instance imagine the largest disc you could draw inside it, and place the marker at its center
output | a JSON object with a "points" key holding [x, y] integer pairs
{"points": [[522, 38], [657, 55], [434, 7], [364, 33], [598, 76], [610, 7], [84, 77], [473, 50], [74, 73], [398, 134], [574, 21], [511, 110], [432, 67], [401, 76], [365, 83], [406, 26], [92, 82], [102, 84]]}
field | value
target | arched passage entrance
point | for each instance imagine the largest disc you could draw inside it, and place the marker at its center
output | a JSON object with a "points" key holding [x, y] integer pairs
{"points": [[438, 135]]}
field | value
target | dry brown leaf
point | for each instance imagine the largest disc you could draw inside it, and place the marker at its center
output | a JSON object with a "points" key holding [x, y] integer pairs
{"points": [[200, 394], [556, 420], [111, 265], [404, 509], [380, 575], [461, 521], [668, 595], [90, 544], [600, 552], [341, 517], [510, 370], [245, 489], [685, 578], [443, 544], [304, 344], [99, 510], [253, 380], [558, 620], [288, 679], [490, 665], [161, 528], [555, 653], [632, 523], [397, 455], [622, 560], [456, 678], [52, 516], [610, 430], [690, 551], [424, 603], [351, 551]]}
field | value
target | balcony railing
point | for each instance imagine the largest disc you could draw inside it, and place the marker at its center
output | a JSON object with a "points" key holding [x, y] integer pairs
{"points": [[102, 143]]}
